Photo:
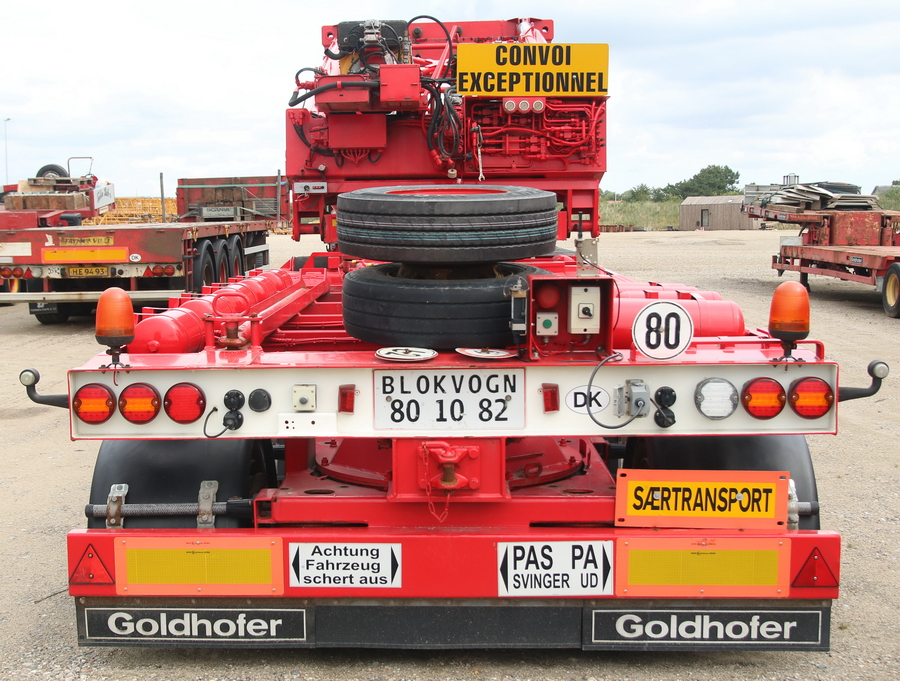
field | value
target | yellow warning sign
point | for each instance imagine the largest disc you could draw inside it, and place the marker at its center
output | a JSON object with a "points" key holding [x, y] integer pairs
{"points": [[725, 499], [532, 69]]}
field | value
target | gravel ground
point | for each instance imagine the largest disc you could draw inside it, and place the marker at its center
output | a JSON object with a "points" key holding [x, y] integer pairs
{"points": [[47, 478]]}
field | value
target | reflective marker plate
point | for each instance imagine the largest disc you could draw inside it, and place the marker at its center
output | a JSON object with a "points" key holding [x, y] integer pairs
{"points": [[457, 399]]}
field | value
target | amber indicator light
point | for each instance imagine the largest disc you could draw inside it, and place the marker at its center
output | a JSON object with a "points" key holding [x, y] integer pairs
{"points": [[184, 403], [94, 403], [810, 397], [763, 398], [139, 403]]}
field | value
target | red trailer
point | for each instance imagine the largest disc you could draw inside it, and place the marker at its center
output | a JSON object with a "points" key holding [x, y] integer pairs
{"points": [[59, 266], [853, 245], [439, 432]]}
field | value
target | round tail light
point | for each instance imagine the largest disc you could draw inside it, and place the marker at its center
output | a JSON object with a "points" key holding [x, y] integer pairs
{"points": [[763, 398], [810, 397], [139, 403], [184, 403], [94, 403]]}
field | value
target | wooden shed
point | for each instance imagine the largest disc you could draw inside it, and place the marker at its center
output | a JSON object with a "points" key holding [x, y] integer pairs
{"points": [[713, 212]]}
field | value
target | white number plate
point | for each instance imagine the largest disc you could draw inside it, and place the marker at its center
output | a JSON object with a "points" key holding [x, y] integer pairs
{"points": [[432, 399]]}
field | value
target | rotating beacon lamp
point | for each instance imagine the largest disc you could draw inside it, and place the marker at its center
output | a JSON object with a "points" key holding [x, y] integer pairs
{"points": [[789, 317], [115, 322]]}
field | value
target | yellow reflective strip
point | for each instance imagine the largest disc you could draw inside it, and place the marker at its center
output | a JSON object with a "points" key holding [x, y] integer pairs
{"points": [[79, 255], [713, 567], [199, 566]]}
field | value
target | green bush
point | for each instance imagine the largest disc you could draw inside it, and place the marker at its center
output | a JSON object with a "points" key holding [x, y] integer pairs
{"points": [[890, 200], [642, 215]]}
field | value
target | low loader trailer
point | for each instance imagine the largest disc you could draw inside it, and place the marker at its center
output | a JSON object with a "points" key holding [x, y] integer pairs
{"points": [[60, 266], [438, 431], [853, 245]]}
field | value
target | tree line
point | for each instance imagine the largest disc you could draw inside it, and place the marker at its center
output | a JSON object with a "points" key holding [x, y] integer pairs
{"points": [[711, 181]]}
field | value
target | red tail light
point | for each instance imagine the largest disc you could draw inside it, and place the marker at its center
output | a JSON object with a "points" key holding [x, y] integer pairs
{"points": [[184, 403], [763, 398], [94, 403], [5, 272], [346, 399], [810, 397], [169, 270], [157, 270], [18, 272], [139, 403], [551, 397]]}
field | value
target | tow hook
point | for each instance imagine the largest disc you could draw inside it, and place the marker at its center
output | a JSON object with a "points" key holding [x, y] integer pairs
{"points": [[30, 378], [878, 370]]}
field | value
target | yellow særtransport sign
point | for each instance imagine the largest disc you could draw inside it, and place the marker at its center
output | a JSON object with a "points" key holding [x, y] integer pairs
{"points": [[722, 499], [532, 69]]}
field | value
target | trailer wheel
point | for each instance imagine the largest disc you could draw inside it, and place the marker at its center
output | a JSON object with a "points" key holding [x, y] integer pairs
{"points": [[890, 292], [222, 260], [170, 472], [236, 249], [204, 266], [447, 223], [732, 453], [63, 310], [387, 305], [52, 170]]}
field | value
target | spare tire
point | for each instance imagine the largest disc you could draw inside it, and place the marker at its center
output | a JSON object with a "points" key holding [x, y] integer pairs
{"points": [[52, 170], [383, 306], [450, 224]]}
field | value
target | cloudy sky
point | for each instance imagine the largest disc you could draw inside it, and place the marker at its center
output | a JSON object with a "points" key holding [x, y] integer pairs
{"points": [[197, 88]]}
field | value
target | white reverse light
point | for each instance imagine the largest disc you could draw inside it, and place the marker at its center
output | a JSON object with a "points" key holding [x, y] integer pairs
{"points": [[716, 398]]}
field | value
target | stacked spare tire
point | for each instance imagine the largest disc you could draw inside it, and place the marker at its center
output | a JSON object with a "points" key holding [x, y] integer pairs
{"points": [[447, 281]]}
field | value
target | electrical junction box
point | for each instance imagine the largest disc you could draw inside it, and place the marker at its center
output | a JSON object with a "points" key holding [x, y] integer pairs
{"points": [[584, 309], [304, 397], [546, 324]]}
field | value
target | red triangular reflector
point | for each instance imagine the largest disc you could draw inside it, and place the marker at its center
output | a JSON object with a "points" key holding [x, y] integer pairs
{"points": [[90, 569], [815, 572], [148, 272]]}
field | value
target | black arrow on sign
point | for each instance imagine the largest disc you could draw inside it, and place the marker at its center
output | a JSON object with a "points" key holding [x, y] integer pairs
{"points": [[296, 563], [504, 568], [607, 567]]}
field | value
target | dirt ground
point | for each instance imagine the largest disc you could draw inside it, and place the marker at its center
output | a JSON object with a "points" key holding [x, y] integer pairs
{"points": [[46, 478]]}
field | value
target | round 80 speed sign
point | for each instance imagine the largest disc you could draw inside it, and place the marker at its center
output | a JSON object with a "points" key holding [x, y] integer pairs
{"points": [[662, 330]]}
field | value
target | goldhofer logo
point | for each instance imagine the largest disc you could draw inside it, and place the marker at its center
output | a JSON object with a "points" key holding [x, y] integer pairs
{"points": [[179, 624], [679, 627]]}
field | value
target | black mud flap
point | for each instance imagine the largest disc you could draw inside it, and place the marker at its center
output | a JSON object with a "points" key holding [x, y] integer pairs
{"points": [[590, 625], [656, 626]]}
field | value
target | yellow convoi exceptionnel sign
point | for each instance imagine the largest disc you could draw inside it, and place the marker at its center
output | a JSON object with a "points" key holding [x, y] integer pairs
{"points": [[719, 499], [532, 69]]}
